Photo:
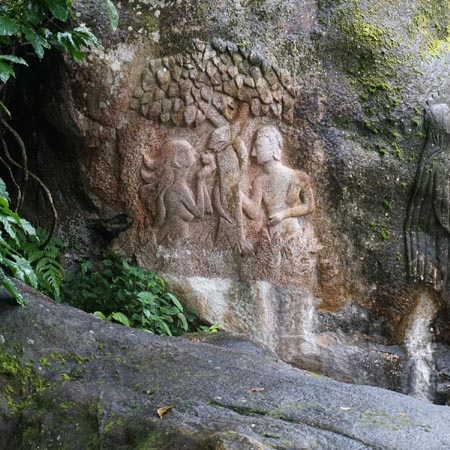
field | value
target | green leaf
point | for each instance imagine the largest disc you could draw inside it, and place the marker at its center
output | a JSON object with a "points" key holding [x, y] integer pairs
{"points": [[175, 301], [22, 270], [34, 13], [14, 59], [86, 266], [164, 328], [12, 289], [3, 190], [85, 36], [146, 297], [50, 274], [5, 109], [38, 43], [112, 14], [6, 222], [6, 72], [8, 27], [27, 227], [99, 315], [183, 321], [59, 8], [121, 318]]}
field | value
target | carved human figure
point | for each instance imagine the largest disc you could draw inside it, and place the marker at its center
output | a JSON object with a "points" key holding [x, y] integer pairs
{"points": [[285, 193], [427, 227], [176, 205]]}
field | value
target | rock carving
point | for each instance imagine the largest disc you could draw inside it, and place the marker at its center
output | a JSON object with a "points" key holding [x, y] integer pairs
{"points": [[285, 194], [229, 104], [175, 89], [176, 205], [427, 227], [231, 161]]}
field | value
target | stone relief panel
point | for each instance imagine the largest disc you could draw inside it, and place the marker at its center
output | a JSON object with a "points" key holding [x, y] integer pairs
{"points": [[427, 227], [218, 188], [178, 89]]}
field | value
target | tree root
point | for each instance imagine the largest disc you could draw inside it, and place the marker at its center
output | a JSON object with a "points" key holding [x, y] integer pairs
{"points": [[23, 153], [26, 174]]}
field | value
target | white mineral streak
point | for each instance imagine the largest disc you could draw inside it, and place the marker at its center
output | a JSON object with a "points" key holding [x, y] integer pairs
{"points": [[284, 321], [419, 346], [267, 314], [207, 296], [309, 318]]}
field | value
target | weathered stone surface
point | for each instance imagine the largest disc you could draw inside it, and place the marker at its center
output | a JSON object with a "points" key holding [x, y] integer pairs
{"points": [[353, 78], [70, 381]]}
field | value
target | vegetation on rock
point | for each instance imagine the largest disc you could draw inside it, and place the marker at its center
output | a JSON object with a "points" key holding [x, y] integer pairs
{"points": [[115, 290], [12, 261]]}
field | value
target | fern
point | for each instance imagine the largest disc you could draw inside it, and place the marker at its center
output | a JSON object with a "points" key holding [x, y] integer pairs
{"points": [[44, 260]]}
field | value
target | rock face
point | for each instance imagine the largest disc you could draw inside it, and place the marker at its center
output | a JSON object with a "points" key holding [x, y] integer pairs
{"points": [[270, 159], [70, 381]]}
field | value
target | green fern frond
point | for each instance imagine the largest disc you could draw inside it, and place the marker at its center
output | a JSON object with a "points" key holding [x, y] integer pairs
{"points": [[50, 274]]}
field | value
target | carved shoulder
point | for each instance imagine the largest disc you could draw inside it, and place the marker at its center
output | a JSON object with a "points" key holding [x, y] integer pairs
{"points": [[304, 177]]}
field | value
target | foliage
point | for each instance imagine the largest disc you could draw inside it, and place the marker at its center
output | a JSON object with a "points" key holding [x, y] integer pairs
{"points": [[31, 27], [44, 261], [214, 328], [40, 25], [12, 261], [117, 291]]}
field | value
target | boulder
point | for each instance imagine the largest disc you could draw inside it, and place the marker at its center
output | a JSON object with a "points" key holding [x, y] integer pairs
{"points": [[68, 380]]}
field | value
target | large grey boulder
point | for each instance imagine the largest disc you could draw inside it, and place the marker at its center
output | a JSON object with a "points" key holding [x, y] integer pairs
{"points": [[70, 381]]}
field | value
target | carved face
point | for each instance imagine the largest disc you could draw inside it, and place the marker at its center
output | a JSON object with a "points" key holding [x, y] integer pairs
{"points": [[189, 156], [262, 150], [267, 145], [182, 154]]}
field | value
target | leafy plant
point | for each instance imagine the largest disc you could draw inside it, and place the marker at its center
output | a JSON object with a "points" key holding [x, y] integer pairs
{"points": [[115, 290], [44, 261], [40, 24], [12, 261], [30, 28]]}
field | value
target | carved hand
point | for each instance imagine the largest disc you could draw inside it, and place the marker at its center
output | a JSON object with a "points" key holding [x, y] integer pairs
{"points": [[246, 248], [205, 172], [208, 168], [276, 218]]}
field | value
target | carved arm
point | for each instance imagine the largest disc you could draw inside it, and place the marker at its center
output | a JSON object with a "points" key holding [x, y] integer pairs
{"points": [[252, 206], [307, 205]]}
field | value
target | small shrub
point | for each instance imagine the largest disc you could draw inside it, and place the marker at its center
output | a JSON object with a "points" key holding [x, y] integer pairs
{"points": [[115, 290]]}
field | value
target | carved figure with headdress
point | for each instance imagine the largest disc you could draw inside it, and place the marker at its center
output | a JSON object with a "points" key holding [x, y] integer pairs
{"points": [[427, 227]]}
